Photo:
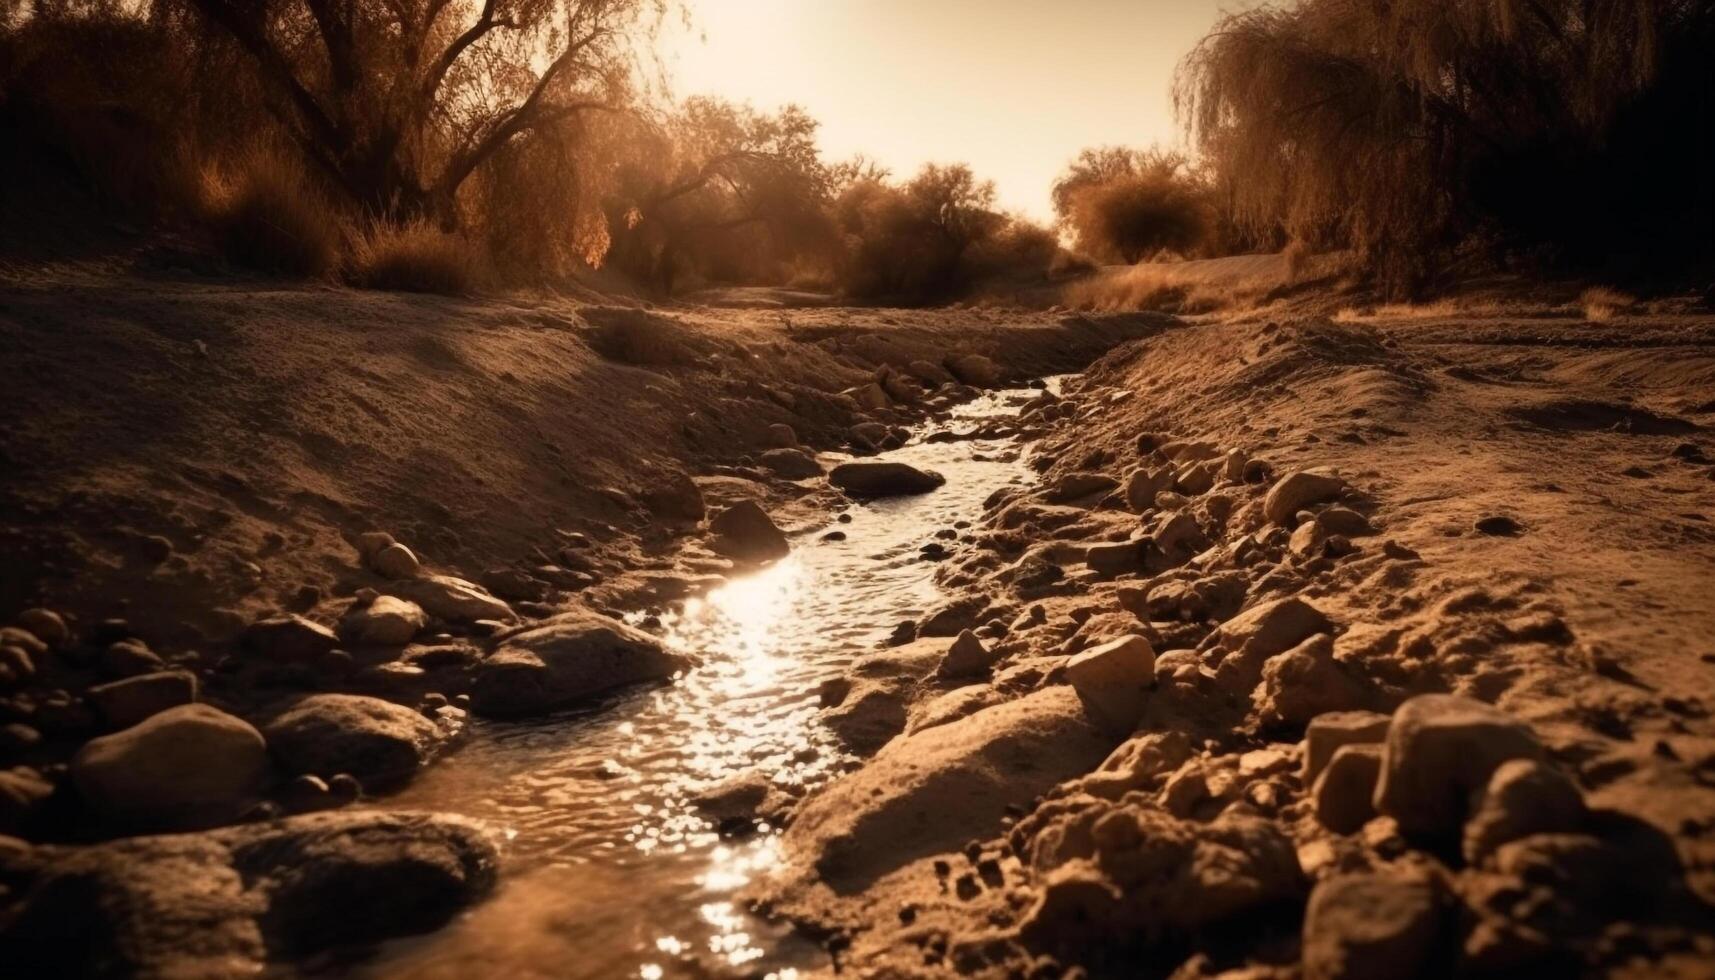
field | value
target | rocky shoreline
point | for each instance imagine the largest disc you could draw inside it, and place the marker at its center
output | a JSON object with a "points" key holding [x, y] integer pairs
{"points": [[298, 714], [1195, 713], [1218, 696]]}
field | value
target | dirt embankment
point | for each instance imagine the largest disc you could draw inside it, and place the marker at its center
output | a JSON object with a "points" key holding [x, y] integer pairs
{"points": [[191, 455], [1316, 535]]}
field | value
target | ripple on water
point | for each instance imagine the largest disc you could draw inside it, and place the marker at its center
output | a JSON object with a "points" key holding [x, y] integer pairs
{"points": [[610, 871]]}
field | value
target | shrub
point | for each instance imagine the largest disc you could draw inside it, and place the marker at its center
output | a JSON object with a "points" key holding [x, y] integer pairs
{"points": [[1131, 218], [1601, 304], [415, 257], [267, 215], [1019, 249]]}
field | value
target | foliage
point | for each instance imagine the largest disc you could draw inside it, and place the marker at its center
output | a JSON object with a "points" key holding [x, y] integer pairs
{"points": [[1404, 129]]}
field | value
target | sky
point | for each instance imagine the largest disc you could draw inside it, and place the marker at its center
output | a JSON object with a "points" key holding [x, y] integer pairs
{"points": [[1013, 87]]}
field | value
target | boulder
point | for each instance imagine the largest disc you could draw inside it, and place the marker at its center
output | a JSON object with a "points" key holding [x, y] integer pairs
{"points": [[1326, 733], [1140, 764], [746, 532], [45, 625], [883, 478], [395, 561], [1523, 797], [567, 659], [870, 396], [241, 900], [1305, 682], [1195, 479], [1344, 793], [1115, 558], [1440, 750], [23, 792], [932, 791], [124, 703], [966, 656], [452, 599], [1113, 678], [186, 766], [1246, 642], [129, 658], [1120, 872], [1076, 486], [370, 543], [379, 742], [1143, 484], [289, 639], [792, 464], [782, 436], [1383, 925], [1296, 491], [974, 369], [869, 435], [676, 498], [386, 621]]}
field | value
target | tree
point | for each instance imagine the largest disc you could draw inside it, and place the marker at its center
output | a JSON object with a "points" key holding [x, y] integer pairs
{"points": [[1103, 164], [397, 102], [693, 184], [1122, 204]]}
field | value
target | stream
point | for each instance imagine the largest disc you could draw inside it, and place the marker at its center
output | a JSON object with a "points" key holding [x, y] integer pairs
{"points": [[608, 869]]}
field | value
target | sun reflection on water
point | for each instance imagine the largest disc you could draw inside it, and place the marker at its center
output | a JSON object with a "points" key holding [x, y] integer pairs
{"points": [[614, 868]]}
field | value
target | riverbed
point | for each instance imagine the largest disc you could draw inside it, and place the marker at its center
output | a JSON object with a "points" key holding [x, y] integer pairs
{"points": [[609, 869]]}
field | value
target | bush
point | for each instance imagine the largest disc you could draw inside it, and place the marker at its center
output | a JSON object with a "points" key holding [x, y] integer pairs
{"points": [[415, 258], [266, 214], [1132, 218], [1021, 250]]}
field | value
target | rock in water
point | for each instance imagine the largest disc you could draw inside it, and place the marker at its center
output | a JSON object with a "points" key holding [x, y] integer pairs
{"points": [[868, 478], [1296, 491], [1373, 926], [746, 532], [1441, 749], [226, 902], [567, 659], [186, 766], [379, 742]]}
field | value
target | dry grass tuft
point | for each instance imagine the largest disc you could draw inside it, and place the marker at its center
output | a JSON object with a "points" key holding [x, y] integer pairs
{"points": [[267, 215], [415, 258], [1601, 304]]}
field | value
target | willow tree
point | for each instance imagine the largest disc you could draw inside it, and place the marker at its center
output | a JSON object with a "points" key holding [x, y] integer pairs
{"points": [[398, 102], [1363, 124]]}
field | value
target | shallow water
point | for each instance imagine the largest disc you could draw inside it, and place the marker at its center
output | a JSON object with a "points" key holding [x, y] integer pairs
{"points": [[608, 870]]}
